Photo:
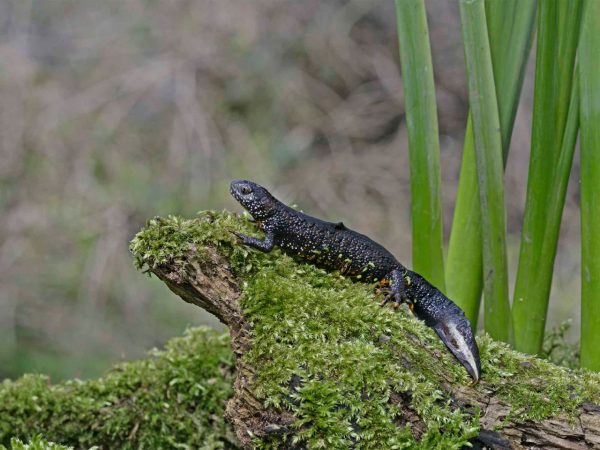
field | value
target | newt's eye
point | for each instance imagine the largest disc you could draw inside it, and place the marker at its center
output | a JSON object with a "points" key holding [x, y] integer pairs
{"points": [[246, 190]]}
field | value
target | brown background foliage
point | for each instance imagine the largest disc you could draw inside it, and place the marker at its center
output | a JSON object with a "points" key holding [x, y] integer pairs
{"points": [[113, 112]]}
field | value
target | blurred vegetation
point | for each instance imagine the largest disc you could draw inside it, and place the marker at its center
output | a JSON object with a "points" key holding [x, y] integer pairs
{"points": [[116, 111], [557, 349]]}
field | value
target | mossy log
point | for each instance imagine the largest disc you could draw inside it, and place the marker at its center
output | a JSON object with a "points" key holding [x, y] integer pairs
{"points": [[319, 364]]}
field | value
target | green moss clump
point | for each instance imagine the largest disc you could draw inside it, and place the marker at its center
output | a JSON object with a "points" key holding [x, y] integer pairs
{"points": [[176, 398], [330, 355], [327, 338], [36, 443], [171, 239], [535, 388]]}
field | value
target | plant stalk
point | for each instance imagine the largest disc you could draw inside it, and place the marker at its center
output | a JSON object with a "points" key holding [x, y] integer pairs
{"points": [[489, 159], [510, 31], [558, 32], [423, 143], [589, 72]]}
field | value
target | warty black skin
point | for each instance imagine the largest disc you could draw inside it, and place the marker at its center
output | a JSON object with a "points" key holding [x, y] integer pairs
{"points": [[335, 247]]}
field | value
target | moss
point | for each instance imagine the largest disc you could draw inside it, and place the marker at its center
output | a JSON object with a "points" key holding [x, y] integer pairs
{"points": [[333, 357], [535, 388], [172, 238], [327, 335], [174, 399], [36, 443]]}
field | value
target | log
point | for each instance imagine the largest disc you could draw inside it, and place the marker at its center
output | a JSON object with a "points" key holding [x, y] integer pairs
{"points": [[392, 381]]}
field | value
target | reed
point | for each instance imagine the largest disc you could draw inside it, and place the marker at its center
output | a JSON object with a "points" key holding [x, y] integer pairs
{"points": [[558, 32], [589, 70], [423, 142], [510, 31], [490, 174], [497, 37]]}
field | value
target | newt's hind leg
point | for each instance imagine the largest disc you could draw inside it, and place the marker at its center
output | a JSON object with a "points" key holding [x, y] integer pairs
{"points": [[398, 282]]}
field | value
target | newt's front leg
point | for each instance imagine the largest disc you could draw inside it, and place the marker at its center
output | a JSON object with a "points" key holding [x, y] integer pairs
{"points": [[264, 245]]}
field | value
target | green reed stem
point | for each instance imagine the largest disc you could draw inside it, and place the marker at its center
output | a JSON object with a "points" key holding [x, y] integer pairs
{"points": [[510, 30], [589, 72], [423, 144], [490, 176], [558, 33]]}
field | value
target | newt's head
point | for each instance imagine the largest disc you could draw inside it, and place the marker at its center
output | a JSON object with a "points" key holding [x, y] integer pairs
{"points": [[455, 331], [449, 322], [254, 198]]}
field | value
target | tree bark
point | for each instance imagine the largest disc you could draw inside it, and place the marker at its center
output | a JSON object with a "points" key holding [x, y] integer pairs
{"points": [[211, 285]]}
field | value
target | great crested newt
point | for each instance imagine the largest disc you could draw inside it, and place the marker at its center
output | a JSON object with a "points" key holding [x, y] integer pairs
{"points": [[335, 247]]}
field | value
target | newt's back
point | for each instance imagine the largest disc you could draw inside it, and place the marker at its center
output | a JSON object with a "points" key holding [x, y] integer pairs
{"points": [[329, 244]]}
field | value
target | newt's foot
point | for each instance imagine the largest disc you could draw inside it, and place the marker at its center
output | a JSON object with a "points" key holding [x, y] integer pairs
{"points": [[395, 295], [264, 245]]}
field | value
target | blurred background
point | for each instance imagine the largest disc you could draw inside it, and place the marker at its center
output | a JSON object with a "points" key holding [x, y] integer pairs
{"points": [[116, 111]]}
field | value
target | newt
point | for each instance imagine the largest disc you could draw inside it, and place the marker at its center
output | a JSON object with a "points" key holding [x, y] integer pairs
{"points": [[335, 247]]}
